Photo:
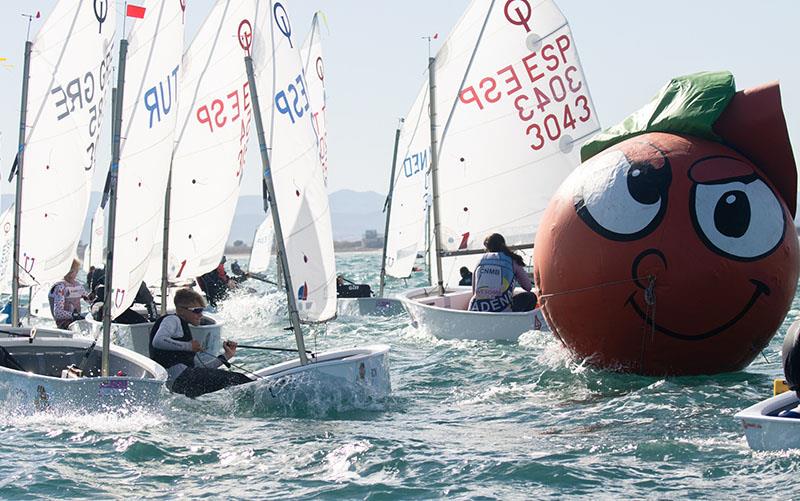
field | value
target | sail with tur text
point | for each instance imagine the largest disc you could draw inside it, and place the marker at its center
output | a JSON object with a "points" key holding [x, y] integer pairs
{"points": [[149, 111]]}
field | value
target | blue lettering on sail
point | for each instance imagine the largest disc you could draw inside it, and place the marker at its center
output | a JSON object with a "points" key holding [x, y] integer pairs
{"points": [[84, 94], [293, 101], [161, 107], [418, 162]]}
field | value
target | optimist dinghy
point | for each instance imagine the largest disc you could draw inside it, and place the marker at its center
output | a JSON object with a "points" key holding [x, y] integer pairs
{"points": [[508, 109], [446, 316], [44, 369], [298, 202], [765, 430], [51, 374], [773, 424]]}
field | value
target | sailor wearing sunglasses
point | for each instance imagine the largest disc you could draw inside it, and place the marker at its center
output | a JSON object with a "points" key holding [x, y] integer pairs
{"points": [[191, 371]]}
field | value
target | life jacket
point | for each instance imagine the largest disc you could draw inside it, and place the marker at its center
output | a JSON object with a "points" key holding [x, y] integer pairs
{"points": [[493, 283], [72, 296], [168, 358], [214, 284]]}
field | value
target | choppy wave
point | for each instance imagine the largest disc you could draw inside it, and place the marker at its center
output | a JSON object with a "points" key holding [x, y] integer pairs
{"points": [[465, 420]]}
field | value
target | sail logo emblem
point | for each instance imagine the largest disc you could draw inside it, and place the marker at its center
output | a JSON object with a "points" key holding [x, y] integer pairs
{"points": [[245, 35], [320, 72], [522, 12], [25, 266], [464, 241], [282, 21], [100, 12], [302, 292]]}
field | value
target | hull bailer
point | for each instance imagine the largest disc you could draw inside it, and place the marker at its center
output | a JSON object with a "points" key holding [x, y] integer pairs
{"points": [[447, 317], [137, 382], [764, 430]]}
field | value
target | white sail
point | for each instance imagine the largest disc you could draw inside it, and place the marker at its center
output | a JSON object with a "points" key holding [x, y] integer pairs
{"points": [[295, 168], [261, 251], [406, 233], [513, 108], [97, 241], [314, 69], [213, 129], [69, 82], [6, 249], [149, 112]]}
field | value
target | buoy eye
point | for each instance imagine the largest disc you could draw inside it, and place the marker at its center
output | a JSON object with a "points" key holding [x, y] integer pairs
{"points": [[740, 219], [622, 200]]}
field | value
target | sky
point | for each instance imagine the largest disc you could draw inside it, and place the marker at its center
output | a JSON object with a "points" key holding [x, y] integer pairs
{"points": [[375, 61]]}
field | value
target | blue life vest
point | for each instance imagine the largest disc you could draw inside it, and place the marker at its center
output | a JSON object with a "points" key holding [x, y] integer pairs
{"points": [[493, 283]]}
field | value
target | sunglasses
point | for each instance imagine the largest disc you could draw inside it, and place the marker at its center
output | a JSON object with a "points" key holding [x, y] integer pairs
{"points": [[196, 311]]}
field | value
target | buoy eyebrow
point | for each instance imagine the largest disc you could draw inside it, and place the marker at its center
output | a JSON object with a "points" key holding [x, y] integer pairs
{"points": [[719, 168]]}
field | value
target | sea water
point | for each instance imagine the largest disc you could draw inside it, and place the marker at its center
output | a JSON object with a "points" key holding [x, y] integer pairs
{"points": [[466, 420]]}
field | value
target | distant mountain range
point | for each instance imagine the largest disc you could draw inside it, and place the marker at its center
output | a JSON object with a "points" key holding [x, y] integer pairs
{"points": [[352, 213]]}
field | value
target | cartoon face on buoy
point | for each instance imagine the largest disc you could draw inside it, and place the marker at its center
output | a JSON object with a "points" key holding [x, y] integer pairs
{"points": [[667, 255]]}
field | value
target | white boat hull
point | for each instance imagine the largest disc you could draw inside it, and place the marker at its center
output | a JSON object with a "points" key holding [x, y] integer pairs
{"points": [[764, 430], [40, 387], [136, 337], [26, 331], [372, 306], [447, 317], [354, 377]]}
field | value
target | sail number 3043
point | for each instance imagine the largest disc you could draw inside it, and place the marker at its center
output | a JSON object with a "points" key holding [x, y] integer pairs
{"points": [[545, 89]]}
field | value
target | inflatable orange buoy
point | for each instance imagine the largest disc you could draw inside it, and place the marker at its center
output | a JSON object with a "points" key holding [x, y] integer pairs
{"points": [[666, 254]]}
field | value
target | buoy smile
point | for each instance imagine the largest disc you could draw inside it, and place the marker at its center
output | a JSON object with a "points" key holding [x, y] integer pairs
{"points": [[760, 288]]}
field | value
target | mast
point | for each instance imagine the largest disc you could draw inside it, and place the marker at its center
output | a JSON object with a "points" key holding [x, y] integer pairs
{"points": [[87, 251], [23, 112], [112, 207], [388, 208], [428, 239], [435, 173], [282, 261], [165, 246]]}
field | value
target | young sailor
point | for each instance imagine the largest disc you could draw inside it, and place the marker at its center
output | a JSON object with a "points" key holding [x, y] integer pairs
{"points": [[495, 276], [191, 371], [65, 298], [466, 276], [217, 283]]}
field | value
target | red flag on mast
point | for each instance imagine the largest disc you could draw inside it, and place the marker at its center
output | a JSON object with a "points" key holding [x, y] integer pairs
{"points": [[135, 11]]}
